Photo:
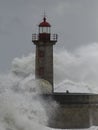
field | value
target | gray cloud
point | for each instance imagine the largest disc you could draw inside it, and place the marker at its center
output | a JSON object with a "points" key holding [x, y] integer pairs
{"points": [[75, 21]]}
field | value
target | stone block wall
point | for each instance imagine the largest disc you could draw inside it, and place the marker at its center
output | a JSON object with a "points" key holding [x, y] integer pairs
{"points": [[74, 111], [71, 116]]}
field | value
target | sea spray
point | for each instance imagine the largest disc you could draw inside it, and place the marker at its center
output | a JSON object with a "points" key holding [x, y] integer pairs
{"points": [[24, 66], [74, 87], [21, 104], [19, 100], [79, 68]]}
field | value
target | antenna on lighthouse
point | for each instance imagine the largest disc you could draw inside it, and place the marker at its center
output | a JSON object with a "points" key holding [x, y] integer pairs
{"points": [[44, 15]]}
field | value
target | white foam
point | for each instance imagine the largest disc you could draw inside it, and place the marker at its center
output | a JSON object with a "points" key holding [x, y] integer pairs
{"points": [[79, 69]]}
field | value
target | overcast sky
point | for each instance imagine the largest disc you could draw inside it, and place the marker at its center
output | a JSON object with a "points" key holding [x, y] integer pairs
{"points": [[75, 21]]}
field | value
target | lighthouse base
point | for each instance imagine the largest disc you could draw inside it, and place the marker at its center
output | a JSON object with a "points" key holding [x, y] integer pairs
{"points": [[74, 111]]}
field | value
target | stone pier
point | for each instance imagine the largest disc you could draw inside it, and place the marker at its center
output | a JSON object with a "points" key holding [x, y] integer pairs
{"points": [[75, 110]]}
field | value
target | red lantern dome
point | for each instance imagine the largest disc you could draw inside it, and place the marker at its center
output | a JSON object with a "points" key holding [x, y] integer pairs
{"points": [[44, 23], [44, 27]]}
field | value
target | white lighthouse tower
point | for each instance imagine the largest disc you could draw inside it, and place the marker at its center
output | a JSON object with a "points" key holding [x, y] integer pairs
{"points": [[44, 42]]}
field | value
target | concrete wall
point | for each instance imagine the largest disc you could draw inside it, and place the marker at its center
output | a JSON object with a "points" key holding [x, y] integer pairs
{"points": [[71, 116], [94, 114], [74, 111]]}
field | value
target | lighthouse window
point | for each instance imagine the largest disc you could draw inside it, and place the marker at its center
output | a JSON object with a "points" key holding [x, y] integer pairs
{"points": [[44, 30]]}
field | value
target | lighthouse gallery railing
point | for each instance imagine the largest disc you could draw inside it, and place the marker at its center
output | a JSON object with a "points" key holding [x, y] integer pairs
{"points": [[53, 37]]}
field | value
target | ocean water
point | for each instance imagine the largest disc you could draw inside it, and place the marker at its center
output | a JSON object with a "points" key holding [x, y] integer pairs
{"points": [[22, 107]]}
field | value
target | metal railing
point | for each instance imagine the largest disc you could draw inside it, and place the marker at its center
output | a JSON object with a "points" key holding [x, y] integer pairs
{"points": [[53, 37], [35, 37]]}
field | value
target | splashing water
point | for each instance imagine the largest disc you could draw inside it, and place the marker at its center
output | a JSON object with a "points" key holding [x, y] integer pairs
{"points": [[22, 108], [77, 72]]}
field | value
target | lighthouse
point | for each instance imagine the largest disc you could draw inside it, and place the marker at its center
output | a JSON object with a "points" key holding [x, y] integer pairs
{"points": [[44, 42]]}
